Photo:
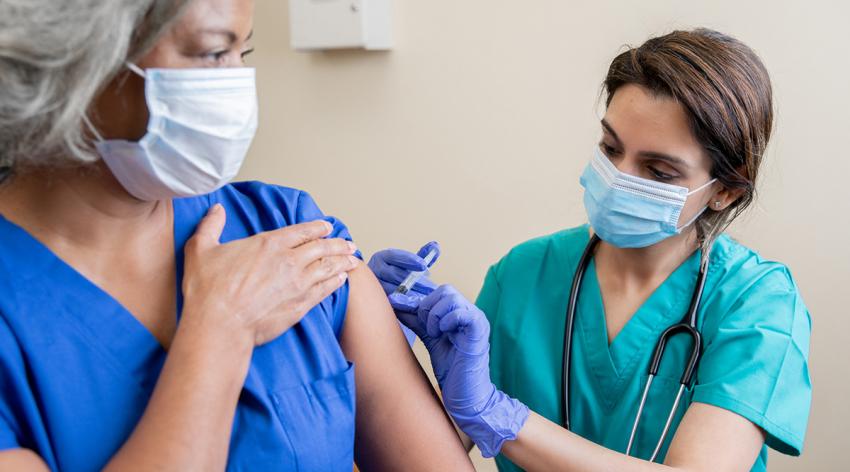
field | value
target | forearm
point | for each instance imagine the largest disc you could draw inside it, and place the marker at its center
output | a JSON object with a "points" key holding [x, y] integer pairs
{"points": [[543, 446], [188, 421], [708, 439]]}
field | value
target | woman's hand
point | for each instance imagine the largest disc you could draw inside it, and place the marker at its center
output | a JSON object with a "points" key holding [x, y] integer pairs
{"points": [[237, 295], [456, 334], [259, 287]]}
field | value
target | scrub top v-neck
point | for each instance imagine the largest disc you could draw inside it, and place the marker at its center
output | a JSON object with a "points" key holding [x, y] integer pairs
{"points": [[77, 369], [755, 331]]}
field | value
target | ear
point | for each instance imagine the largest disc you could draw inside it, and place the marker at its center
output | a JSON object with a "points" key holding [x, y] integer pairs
{"points": [[121, 111], [722, 198]]}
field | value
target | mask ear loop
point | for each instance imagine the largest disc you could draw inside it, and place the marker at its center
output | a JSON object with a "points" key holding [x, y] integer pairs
{"points": [[138, 70], [702, 187], [93, 130], [135, 69], [692, 220]]}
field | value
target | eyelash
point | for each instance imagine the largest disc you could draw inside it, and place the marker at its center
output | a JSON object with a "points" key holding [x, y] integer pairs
{"points": [[217, 56], [657, 174], [660, 175], [608, 150]]}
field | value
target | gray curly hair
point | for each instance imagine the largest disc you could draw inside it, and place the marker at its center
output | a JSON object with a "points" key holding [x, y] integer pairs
{"points": [[55, 57]]}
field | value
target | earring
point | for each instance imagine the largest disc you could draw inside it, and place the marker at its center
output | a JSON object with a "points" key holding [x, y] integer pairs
{"points": [[717, 205]]}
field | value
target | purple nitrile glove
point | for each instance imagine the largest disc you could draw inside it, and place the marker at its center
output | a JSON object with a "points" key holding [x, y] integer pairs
{"points": [[392, 266], [456, 334]]}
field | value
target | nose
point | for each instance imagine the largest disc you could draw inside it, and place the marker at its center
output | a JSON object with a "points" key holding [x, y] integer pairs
{"points": [[627, 163]]}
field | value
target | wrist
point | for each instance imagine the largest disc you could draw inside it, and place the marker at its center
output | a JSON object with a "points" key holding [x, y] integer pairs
{"points": [[498, 420], [210, 358], [214, 334]]}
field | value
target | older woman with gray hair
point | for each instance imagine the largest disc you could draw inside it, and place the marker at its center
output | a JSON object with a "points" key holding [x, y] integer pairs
{"points": [[153, 315]]}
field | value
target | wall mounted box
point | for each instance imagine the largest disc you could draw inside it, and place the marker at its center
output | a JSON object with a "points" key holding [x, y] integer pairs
{"points": [[340, 24]]}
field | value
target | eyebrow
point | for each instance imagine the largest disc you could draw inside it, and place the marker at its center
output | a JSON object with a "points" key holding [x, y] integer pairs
{"points": [[231, 36], [665, 157], [610, 131], [648, 154]]}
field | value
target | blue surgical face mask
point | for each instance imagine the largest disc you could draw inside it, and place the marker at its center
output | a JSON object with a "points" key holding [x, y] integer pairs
{"points": [[631, 212]]}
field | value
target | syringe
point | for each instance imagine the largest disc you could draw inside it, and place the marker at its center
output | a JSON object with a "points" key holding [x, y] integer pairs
{"points": [[414, 277]]}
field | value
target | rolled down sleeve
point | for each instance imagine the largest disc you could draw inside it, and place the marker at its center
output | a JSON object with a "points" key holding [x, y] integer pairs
{"points": [[756, 363]]}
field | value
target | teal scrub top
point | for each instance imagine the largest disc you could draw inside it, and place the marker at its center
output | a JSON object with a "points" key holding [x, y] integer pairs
{"points": [[755, 331]]}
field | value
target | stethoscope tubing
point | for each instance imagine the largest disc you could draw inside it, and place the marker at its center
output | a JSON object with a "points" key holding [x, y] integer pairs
{"points": [[586, 256], [686, 326]]}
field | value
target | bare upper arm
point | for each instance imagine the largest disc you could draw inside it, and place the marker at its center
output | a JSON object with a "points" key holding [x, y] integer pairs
{"points": [[710, 438], [23, 460], [400, 421]]}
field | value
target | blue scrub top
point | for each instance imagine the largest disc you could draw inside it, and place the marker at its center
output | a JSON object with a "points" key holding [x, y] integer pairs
{"points": [[77, 369]]}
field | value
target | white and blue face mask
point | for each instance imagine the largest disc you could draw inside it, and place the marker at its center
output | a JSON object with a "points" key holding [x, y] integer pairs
{"points": [[632, 212], [201, 124]]}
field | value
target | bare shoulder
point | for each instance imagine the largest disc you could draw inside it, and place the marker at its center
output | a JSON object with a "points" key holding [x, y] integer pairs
{"points": [[369, 316]]}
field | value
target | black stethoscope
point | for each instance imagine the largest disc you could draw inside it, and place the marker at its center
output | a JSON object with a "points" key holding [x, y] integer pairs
{"points": [[686, 326]]}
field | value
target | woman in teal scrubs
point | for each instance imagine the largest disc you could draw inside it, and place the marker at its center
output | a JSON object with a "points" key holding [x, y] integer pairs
{"points": [[687, 121]]}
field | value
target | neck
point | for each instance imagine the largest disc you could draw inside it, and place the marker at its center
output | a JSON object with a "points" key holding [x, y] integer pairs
{"points": [[83, 206], [642, 266]]}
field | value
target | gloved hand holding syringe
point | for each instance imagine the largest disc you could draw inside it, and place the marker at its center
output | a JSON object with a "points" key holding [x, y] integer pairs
{"points": [[403, 276], [456, 334], [414, 277]]}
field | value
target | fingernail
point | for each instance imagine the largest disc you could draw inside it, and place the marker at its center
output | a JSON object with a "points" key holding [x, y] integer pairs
{"points": [[343, 276], [215, 208], [352, 247], [353, 260], [329, 227]]}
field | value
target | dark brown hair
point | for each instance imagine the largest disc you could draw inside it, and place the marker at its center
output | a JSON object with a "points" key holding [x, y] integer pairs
{"points": [[725, 90]]}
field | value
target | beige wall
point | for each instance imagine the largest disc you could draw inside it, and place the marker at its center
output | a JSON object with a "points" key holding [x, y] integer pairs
{"points": [[474, 129]]}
